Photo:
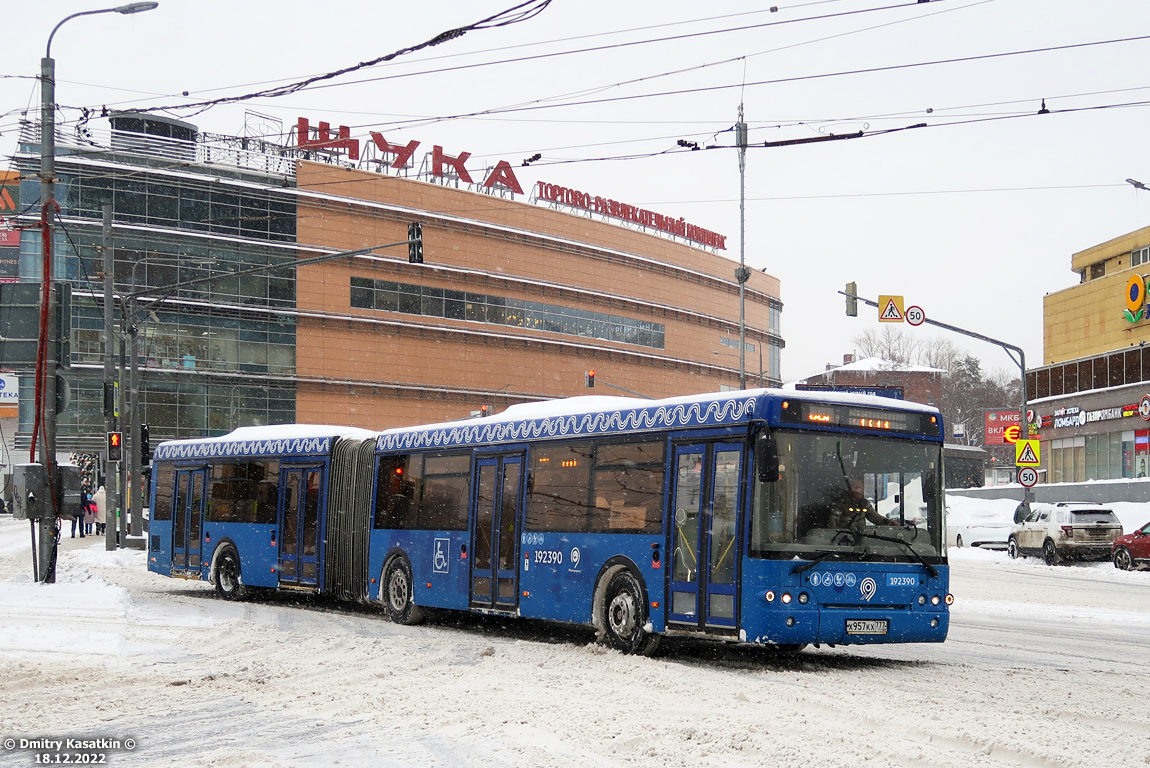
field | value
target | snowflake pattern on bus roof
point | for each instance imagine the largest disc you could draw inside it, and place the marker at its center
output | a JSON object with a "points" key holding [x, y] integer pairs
{"points": [[713, 413], [210, 449]]}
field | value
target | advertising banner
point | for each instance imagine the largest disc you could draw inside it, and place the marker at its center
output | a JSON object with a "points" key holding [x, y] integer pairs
{"points": [[995, 424]]}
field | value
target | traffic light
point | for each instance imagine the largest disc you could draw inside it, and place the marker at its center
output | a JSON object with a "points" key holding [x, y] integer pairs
{"points": [[145, 445], [591, 378], [415, 243], [484, 411], [115, 446], [852, 300]]}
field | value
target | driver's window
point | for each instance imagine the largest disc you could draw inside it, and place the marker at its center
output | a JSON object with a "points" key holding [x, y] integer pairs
{"points": [[1042, 516], [1146, 529]]}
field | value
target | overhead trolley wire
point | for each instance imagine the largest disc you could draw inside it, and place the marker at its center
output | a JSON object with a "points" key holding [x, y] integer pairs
{"points": [[515, 14], [535, 105]]}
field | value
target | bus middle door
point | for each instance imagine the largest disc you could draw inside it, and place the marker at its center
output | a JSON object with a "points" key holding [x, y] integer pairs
{"points": [[704, 546], [300, 526], [188, 524], [494, 546]]}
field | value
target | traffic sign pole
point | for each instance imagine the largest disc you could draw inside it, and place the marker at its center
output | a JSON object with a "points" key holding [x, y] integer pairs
{"points": [[1010, 349]]}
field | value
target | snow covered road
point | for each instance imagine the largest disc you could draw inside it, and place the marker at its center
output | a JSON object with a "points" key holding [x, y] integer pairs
{"points": [[1044, 667]]}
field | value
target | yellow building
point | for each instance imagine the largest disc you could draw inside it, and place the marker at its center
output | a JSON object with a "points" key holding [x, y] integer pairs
{"points": [[1091, 398], [1089, 318]]}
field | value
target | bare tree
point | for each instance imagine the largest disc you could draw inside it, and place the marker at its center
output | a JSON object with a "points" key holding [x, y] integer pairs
{"points": [[890, 344]]}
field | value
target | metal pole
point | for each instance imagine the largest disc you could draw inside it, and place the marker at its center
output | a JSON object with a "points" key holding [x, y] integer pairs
{"points": [[48, 525], [111, 468], [119, 521], [743, 274], [1024, 430], [134, 425]]}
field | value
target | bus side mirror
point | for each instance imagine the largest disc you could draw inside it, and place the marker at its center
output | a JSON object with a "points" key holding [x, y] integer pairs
{"points": [[767, 458]]}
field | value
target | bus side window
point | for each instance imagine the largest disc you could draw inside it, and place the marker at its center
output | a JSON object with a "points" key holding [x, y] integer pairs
{"points": [[628, 482], [561, 487], [165, 474], [397, 491], [446, 493]]}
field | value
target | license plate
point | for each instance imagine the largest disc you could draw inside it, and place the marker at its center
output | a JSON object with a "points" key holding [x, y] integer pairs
{"points": [[867, 626]]}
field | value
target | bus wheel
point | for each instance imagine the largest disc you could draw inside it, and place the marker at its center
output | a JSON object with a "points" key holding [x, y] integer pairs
{"points": [[625, 616], [397, 593], [228, 584]]}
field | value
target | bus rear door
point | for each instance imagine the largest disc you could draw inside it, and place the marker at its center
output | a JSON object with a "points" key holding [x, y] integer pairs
{"points": [[704, 546], [188, 522], [494, 547], [299, 519]]}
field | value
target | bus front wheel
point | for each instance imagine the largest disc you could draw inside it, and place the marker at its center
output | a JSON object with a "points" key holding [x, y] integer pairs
{"points": [[397, 593], [625, 618]]}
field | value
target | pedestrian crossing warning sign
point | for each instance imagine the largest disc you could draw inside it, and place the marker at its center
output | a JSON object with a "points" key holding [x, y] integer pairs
{"points": [[890, 309], [1027, 453]]}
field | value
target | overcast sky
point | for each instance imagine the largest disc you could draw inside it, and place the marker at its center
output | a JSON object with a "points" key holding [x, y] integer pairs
{"points": [[974, 222]]}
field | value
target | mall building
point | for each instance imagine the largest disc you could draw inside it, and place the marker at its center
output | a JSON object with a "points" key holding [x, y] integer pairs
{"points": [[524, 284], [1091, 398]]}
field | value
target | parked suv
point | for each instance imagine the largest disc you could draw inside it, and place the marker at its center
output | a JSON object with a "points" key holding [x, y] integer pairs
{"points": [[1065, 531], [1133, 550]]}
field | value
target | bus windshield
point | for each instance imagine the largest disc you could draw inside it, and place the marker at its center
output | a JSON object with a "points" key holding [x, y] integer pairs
{"points": [[853, 497]]}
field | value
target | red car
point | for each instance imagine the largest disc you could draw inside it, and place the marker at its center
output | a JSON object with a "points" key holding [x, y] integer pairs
{"points": [[1132, 550]]}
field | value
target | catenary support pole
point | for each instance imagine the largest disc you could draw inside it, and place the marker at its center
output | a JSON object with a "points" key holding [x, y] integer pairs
{"points": [[743, 274], [49, 526], [134, 425]]}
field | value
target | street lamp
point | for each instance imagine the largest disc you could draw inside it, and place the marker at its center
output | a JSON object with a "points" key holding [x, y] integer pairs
{"points": [[47, 369], [1137, 184]]}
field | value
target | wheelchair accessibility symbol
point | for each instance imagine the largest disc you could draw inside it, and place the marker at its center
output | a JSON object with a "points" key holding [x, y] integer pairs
{"points": [[439, 556]]}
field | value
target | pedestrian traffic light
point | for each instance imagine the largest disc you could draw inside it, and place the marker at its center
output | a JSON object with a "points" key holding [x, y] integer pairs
{"points": [[145, 445], [591, 378], [852, 300], [115, 446], [415, 243]]}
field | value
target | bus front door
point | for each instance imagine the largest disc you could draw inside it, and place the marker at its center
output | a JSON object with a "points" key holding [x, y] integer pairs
{"points": [[299, 519], [494, 546], [704, 545], [188, 521]]}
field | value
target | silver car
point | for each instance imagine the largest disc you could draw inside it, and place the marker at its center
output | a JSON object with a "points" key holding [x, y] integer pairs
{"points": [[1065, 531], [973, 527]]}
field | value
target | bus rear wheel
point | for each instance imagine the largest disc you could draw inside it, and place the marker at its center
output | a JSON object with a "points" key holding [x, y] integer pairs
{"points": [[228, 583], [397, 593], [625, 618]]}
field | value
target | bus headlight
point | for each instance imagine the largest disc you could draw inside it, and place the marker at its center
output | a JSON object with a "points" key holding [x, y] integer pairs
{"points": [[786, 597], [934, 600], [770, 596], [949, 599]]}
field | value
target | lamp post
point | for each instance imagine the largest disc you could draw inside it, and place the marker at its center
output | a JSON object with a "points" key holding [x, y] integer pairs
{"points": [[47, 378]]}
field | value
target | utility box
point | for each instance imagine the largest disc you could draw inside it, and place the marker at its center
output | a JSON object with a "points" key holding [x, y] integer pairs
{"points": [[71, 490], [31, 500], [30, 497]]}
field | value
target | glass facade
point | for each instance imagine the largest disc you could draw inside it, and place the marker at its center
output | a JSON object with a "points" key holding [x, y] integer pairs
{"points": [[196, 339], [459, 305], [1109, 456]]}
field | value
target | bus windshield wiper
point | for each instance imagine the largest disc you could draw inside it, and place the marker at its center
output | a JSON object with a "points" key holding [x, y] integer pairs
{"points": [[804, 567], [929, 568]]}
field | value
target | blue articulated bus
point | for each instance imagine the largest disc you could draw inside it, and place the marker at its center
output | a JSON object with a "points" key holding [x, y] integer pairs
{"points": [[761, 516]]}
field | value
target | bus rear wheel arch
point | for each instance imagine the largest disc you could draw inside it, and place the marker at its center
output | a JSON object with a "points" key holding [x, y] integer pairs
{"points": [[621, 614], [226, 574], [397, 591]]}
